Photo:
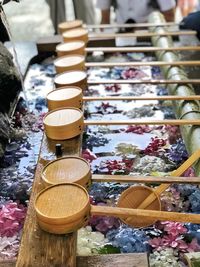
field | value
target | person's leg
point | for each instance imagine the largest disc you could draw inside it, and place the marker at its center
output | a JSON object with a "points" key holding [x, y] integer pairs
{"points": [[192, 4], [57, 12], [84, 10], [61, 11]]}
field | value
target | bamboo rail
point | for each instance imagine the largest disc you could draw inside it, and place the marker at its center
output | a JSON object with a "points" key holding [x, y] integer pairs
{"points": [[129, 25], [163, 81], [138, 122], [134, 98], [150, 214], [139, 34], [183, 110], [145, 179], [141, 49], [142, 64]]}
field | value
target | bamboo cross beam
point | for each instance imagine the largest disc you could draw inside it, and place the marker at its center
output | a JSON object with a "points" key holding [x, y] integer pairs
{"points": [[140, 64], [130, 25], [154, 82], [139, 122], [139, 34], [145, 179], [135, 98], [153, 214], [141, 49]]}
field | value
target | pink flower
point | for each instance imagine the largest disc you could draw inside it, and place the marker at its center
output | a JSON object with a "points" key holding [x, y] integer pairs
{"points": [[88, 155], [189, 173], [11, 218], [193, 246], [113, 88], [138, 129], [174, 228], [156, 242]]}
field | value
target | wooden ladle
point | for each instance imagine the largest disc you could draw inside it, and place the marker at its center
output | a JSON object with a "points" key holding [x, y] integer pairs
{"points": [[83, 35], [72, 96], [64, 208], [66, 123], [78, 48], [77, 62], [77, 170], [79, 78]]}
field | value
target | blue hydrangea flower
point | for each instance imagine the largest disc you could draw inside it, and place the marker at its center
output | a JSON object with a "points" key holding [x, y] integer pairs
{"points": [[128, 239]]}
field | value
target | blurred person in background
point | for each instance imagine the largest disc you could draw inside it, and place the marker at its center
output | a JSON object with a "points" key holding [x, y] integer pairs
{"points": [[83, 10], [187, 6], [191, 22], [57, 12], [4, 36], [134, 11]]}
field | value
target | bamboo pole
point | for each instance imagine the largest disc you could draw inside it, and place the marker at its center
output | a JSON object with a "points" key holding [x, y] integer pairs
{"points": [[130, 25], [142, 64], [139, 122], [135, 98], [141, 49], [183, 110], [145, 179], [163, 81], [140, 34], [150, 214]]}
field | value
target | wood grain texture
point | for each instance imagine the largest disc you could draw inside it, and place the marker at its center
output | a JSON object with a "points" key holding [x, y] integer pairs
{"points": [[117, 260], [141, 49], [67, 170], [178, 172], [69, 25], [130, 213], [143, 63], [144, 179], [63, 123], [134, 98], [126, 200], [38, 248], [139, 34], [141, 122], [129, 25], [7, 263], [193, 259], [163, 81]]}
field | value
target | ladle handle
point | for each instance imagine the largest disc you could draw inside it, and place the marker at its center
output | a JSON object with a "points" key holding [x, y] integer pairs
{"points": [[149, 122], [186, 81], [157, 215], [160, 189], [145, 179], [130, 25], [134, 98], [141, 34], [143, 63], [140, 49]]}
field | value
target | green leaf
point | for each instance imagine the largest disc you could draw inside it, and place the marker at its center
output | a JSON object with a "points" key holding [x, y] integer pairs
{"points": [[108, 249]]}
